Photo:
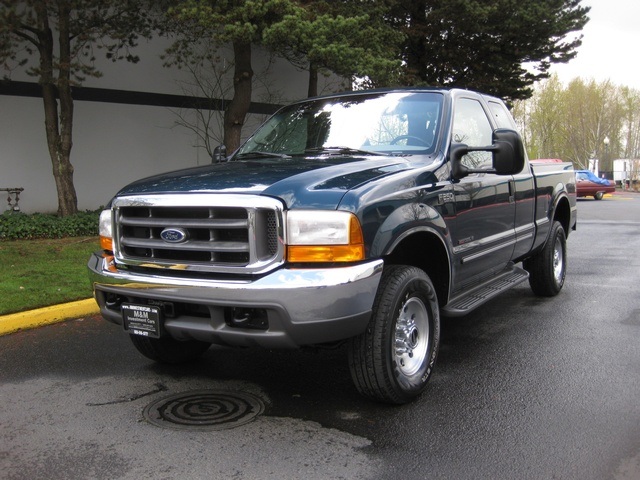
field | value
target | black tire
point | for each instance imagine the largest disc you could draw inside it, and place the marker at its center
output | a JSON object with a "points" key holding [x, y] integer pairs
{"points": [[393, 359], [599, 195], [169, 350], [548, 267]]}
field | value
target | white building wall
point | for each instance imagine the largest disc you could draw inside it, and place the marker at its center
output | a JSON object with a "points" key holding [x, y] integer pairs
{"points": [[114, 144]]}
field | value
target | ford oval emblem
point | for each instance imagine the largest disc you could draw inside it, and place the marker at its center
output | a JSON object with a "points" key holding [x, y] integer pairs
{"points": [[174, 235]]}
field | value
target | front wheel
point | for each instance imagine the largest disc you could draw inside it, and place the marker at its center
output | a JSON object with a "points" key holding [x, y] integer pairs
{"points": [[599, 195], [169, 350], [393, 359], [548, 267]]}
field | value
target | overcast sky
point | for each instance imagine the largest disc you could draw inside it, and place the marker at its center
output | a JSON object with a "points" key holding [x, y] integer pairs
{"points": [[610, 46]]}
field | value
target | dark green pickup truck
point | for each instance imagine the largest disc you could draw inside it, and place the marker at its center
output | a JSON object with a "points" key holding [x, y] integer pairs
{"points": [[360, 217]]}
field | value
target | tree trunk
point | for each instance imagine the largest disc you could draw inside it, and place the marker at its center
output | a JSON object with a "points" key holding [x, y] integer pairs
{"points": [[238, 108], [58, 124], [416, 63], [313, 81]]}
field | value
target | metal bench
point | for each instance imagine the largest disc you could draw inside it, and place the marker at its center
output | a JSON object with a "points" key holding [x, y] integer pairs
{"points": [[13, 197]]}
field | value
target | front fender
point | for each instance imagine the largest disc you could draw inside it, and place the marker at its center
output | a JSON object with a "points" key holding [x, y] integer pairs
{"points": [[402, 222]]}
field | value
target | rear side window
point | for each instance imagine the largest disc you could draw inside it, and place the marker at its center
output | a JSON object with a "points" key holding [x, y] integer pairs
{"points": [[501, 115]]}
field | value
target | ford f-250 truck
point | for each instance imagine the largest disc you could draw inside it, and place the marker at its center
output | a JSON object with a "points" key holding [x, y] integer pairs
{"points": [[359, 217]]}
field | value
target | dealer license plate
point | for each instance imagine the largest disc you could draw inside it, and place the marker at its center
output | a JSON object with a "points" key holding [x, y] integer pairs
{"points": [[143, 320]]}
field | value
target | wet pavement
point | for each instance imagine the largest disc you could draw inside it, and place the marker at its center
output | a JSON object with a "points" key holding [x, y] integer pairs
{"points": [[524, 388]]}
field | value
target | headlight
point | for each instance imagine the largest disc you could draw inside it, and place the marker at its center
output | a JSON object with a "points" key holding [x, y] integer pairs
{"points": [[323, 236], [105, 230]]}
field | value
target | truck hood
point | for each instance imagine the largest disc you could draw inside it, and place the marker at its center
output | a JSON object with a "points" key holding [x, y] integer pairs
{"points": [[318, 182]]}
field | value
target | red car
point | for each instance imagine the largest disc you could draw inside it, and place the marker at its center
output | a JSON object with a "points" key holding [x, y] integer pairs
{"points": [[589, 185]]}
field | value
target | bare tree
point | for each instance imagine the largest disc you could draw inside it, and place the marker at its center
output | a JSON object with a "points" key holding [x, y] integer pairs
{"points": [[211, 82], [572, 122]]}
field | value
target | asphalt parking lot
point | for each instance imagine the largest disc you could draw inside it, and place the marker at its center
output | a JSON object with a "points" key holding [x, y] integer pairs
{"points": [[524, 388]]}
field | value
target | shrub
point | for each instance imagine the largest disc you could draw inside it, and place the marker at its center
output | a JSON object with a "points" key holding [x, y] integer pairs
{"points": [[20, 226]]}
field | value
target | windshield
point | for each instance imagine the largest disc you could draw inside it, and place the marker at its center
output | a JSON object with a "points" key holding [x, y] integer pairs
{"points": [[398, 123]]}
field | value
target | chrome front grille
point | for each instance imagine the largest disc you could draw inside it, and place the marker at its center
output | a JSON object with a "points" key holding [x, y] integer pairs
{"points": [[213, 233]]}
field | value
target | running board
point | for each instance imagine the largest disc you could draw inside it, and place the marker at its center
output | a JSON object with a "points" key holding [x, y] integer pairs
{"points": [[463, 304]]}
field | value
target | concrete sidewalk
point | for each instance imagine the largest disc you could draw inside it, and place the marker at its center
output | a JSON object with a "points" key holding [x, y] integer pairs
{"points": [[47, 315]]}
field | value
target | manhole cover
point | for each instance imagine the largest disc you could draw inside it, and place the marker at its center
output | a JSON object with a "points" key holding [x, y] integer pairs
{"points": [[204, 410]]}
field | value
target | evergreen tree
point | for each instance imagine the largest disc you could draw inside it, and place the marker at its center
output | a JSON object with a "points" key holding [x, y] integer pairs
{"points": [[350, 39], [239, 24], [342, 37], [499, 47]]}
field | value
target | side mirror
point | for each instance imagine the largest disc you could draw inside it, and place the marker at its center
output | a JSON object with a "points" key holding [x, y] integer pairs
{"points": [[507, 151], [219, 154], [456, 152], [508, 156]]}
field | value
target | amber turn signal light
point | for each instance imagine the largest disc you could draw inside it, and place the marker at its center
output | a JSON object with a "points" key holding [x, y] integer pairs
{"points": [[106, 243]]}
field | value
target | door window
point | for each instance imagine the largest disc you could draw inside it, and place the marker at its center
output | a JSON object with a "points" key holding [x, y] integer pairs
{"points": [[471, 127]]}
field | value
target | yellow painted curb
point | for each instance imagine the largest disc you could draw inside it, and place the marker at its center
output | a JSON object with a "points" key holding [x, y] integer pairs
{"points": [[47, 315]]}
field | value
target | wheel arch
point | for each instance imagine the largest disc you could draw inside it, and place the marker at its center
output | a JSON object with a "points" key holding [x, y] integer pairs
{"points": [[425, 249], [562, 214]]}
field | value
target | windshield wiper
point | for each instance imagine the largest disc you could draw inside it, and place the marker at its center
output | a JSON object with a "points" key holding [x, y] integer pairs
{"points": [[259, 154], [341, 151]]}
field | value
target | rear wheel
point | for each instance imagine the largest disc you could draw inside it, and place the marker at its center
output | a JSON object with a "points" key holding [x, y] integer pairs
{"points": [[169, 350], [599, 195], [393, 359], [548, 267]]}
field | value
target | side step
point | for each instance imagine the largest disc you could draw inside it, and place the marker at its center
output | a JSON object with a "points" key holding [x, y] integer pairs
{"points": [[463, 304]]}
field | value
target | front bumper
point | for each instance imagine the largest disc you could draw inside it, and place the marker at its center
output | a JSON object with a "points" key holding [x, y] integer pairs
{"points": [[302, 306]]}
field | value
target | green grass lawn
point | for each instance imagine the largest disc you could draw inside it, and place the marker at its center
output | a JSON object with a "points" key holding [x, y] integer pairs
{"points": [[39, 273]]}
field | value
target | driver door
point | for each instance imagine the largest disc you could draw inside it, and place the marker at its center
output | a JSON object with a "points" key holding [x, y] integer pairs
{"points": [[483, 231]]}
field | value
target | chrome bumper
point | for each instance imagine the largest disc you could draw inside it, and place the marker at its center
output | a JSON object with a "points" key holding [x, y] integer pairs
{"points": [[303, 306]]}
